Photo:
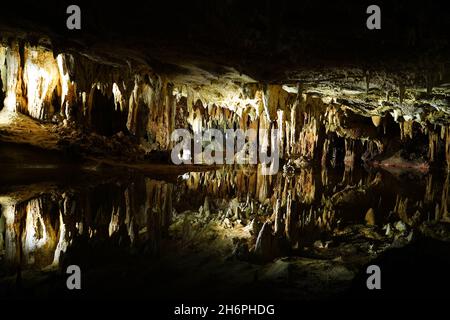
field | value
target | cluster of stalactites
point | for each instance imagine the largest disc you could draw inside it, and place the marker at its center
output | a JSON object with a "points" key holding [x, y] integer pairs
{"points": [[43, 86], [68, 86], [299, 119], [437, 137], [37, 83]]}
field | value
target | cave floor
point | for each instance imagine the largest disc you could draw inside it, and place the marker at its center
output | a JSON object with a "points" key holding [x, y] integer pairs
{"points": [[21, 129]]}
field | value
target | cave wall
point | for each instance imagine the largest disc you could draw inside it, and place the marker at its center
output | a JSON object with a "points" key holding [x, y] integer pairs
{"points": [[109, 96]]}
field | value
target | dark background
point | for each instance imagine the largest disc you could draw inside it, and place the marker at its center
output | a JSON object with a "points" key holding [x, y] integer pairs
{"points": [[295, 30]]}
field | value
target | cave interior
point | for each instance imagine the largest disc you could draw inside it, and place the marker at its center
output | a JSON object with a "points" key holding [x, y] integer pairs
{"points": [[363, 145]]}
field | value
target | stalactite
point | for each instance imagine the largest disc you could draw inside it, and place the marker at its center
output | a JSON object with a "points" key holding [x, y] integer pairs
{"points": [[290, 217], [433, 139], [68, 87], [41, 77], [406, 129], [447, 145], [349, 159], [309, 137], [274, 99], [445, 214], [305, 186], [278, 217], [39, 236], [12, 77], [376, 120], [282, 131]]}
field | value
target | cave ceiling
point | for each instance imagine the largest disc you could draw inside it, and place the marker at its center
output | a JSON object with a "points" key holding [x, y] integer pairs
{"points": [[222, 47]]}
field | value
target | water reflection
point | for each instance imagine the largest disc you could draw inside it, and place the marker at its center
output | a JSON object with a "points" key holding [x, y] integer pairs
{"points": [[284, 212], [37, 231], [289, 210]]}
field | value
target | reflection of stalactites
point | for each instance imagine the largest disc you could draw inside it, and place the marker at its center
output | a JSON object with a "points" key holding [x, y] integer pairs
{"points": [[406, 130], [429, 191], [401, 208], [39, 237], [159, 205], [129, 219], [167, 207], [433, 139], [62, 245], [274, 98], [371, 149], [35, 234], [263, 187], [444, 214], [114, 223], [347, 177], [11, 235]]}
